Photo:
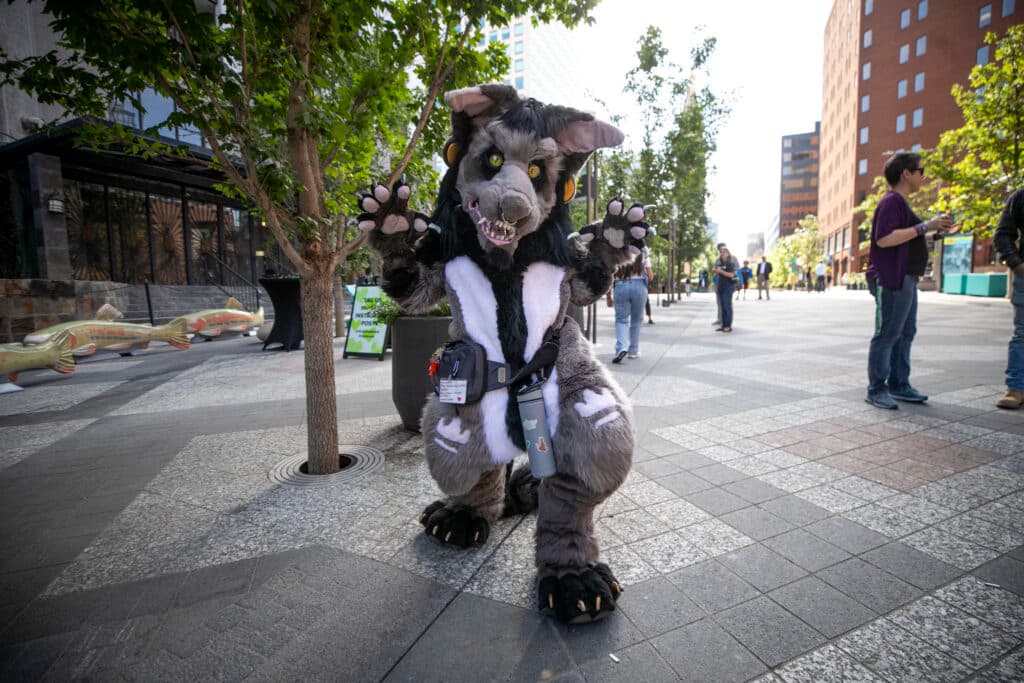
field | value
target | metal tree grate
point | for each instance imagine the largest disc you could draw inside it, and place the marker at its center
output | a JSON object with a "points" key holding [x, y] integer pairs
{"points": [[363, 460]]}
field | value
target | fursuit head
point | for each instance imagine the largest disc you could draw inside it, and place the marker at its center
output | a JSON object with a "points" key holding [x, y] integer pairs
{"points": [[500, 246]]}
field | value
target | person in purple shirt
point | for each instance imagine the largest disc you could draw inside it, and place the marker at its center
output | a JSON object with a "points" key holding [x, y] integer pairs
{"points": [[1009, 240], [899, 255]]}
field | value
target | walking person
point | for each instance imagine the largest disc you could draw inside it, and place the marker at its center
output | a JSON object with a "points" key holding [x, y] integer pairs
{"points": [[630, 296], [764, 269], [743, 283], [725, 269], [898, 257], [819, 274], [1009, 241]]}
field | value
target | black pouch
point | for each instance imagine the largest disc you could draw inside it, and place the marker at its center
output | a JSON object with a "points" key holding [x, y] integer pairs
{"points": [[458, 371]]}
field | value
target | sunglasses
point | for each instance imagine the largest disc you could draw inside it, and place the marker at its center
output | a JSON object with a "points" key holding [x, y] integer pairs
{"points": [[918, 170]]}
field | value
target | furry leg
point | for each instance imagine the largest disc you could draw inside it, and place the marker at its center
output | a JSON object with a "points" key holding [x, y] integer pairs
{"points": [[465, 520]]}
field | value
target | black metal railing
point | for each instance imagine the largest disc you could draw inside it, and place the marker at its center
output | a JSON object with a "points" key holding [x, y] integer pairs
{"points": [[247, 293]]}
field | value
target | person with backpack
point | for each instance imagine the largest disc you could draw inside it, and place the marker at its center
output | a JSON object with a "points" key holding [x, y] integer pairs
{"points": [[629, 298]]}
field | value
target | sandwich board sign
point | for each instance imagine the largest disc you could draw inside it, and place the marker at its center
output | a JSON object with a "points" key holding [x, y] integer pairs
{"points": [[366, 336]]}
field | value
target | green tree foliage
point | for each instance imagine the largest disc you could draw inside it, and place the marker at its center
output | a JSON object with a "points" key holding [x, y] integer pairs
{"points": [[984, 159], [797, 252], [302, 102]]}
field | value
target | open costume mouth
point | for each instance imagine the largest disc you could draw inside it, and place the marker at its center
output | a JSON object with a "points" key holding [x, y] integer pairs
{"points": [[497, 232]]}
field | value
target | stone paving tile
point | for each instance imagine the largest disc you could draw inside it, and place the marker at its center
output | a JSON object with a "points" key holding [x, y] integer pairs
{"points": [[668, 552], [657, 606], [896, 654], [628, 567], [756, 523], [895, 479], [877, 590], [684, 483], [826, 609], [1006, 572], [716, 501], [917, 508], [703, 651], [634, 525], [767, 630], [647, 493], [787, 480], [761, 567], [1009, 670], [850, 536], [884, 520], [951, 549], [990, 603], [806, 550], [714, 537], [911, 565], [953, 631], [830, 499], [642, 662], [974, 527], [712, 586], [828, 664], [678, 513]]}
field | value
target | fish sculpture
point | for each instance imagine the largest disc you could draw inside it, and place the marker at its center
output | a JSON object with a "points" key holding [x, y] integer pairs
{"points": [[54, 353], [91, 335], [215, 321]]}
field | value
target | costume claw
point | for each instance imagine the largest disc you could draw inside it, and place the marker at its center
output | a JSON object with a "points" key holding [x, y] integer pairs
{"points": [[581, 605], [617, 586], [476, 537], [551, 600], [423, 518], [447, 537], [434, 530], [597, 603]]}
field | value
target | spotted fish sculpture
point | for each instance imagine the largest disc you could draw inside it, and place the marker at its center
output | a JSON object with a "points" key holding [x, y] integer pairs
{"points": [[54, 353], [91, 335], [233, 317]]}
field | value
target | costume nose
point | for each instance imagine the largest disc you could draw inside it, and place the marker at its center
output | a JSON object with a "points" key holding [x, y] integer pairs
{"points": [[514, 206]]}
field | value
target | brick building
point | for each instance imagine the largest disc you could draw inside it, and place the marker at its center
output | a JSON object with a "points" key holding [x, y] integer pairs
{"points": [[888, 71], [798, 190]]}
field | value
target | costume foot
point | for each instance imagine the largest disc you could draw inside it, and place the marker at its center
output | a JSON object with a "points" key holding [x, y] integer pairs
{"points": [[579, 596], [458, 526]]}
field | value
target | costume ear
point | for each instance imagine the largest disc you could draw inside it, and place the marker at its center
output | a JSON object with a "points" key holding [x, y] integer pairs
{"points": [[480, 99], [586, 136]]}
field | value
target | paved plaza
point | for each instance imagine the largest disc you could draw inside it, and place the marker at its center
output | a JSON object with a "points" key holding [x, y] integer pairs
{"points": [[774, 527]]}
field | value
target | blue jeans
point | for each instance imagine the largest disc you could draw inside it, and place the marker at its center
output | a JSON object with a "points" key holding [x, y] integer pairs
{"points": [[630, 297], [1015, 360], [895, 327], [724, 291]]}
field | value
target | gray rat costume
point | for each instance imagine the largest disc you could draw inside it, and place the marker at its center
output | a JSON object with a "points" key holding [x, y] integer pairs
{"points": [[500, 246]]}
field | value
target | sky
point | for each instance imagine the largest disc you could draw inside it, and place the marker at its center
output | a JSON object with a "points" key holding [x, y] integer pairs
{"points": [[767, 65]]}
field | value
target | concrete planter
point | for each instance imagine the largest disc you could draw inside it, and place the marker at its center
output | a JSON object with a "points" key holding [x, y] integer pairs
{"points": [[413, 340]]}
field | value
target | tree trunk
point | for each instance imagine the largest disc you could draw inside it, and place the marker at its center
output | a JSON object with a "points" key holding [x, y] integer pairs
{"points": [[321, 401], [339, 307]]}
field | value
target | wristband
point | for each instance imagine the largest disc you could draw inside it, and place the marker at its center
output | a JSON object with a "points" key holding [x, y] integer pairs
{"points": [[921, 228]]}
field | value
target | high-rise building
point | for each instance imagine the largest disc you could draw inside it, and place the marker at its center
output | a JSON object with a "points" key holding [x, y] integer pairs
{"points": [[888, 71], [798, 189], [544, 62]]}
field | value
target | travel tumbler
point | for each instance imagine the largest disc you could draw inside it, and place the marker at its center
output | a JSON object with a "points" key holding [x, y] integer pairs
{"points": [[535, 430]]}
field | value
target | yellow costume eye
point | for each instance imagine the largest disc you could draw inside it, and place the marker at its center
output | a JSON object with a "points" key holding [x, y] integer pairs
{"points": [[533, 170], [495, 160]]}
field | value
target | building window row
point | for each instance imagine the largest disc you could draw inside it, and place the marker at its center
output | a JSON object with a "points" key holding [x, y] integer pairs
{"points": [[922, 10], [867, 38], [985, 16], [869, 7], [865, 71], [864, 135], [982, 58]]}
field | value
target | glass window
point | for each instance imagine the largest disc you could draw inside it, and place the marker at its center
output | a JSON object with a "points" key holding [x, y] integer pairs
{"points": [[901, 123], [787, 170], [865, 103], [922, 9], [88, 240], [922, 46], [869, 7], [904, 53], [493, 37], [982, 59], [905, 18], [505, 33], [916, 147], [158, 108], [519, 47], [864, 135], [1008, 7], [862, 167], [787, 143], [901, 89], [867, 38], [918, 118], [203, 250], [919, 81], [865, 71], [985, 16], [519, 65], [788, 156], [131, 238], [168, 240], [519, 29], [519, 82]]}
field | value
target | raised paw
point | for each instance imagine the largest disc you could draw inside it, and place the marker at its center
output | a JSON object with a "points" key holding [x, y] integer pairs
{"points": [[622, 228], [579, 596], [387, 211], [456, 526]]}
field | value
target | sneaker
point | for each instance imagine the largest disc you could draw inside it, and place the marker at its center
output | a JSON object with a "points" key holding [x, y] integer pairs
{"points": [[634, 356], [650, 322], [619, 356], [881, 401], [719, 329], [1012, 399], [717, 322], [909, 394], [726, 329]]}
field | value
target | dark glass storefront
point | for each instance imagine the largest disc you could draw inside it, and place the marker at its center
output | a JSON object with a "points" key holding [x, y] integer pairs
{"points": [[164, 235]]}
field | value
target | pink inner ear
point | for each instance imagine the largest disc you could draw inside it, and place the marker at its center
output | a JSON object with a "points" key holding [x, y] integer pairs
{"points": [[586, 136], [468, 100]]}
